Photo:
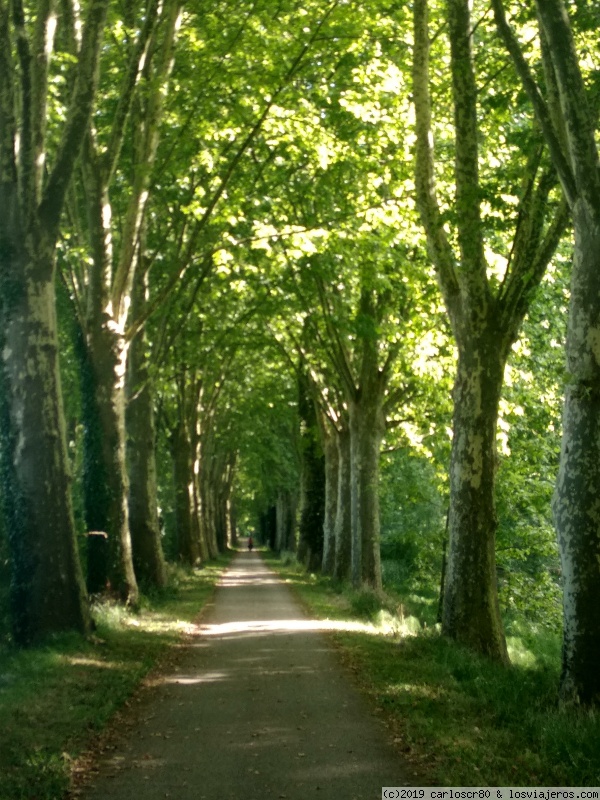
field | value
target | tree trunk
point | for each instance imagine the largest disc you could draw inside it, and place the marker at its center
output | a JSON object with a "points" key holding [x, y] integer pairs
{"points": [[286, 521], [471, 613], [47, 591], [570, 129], [184, 479], [148, 559], [198, 522], [232, 530], [343, 523], [207, 516], [367, 428], [330, 448], [576, 507], [105, 479], [104, 359], [312, 481]]}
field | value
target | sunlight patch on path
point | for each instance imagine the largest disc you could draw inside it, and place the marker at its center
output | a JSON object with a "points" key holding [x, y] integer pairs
{"points": [[286, 626]]}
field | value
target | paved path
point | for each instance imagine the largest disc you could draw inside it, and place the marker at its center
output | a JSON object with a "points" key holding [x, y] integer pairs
{"points": [[257, 708]]}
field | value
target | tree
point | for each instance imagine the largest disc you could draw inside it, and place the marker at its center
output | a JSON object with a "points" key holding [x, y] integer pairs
{"points": [[485, 313], [567, 120], [148, 558], [37, 160], [101, 285]]}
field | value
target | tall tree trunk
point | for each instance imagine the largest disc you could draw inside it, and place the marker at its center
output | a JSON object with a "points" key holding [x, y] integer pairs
{"points": [[106, 471], [485, 320], [330, 449], [471, 612], [367, 428], [312, 483], [286, 507], [232, 533], [148, 558], [569, 127], [200, 533], [103, 390], [47, 591], [109, 281], [343, 519], [576, 507], [184, 481], [207, 510]]}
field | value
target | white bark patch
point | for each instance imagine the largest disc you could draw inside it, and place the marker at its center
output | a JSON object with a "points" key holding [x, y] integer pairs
{"points": [[50, 31]]}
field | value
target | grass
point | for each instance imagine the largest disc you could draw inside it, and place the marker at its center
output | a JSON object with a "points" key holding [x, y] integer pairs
{"points": [[460, 720], [54, 699]]}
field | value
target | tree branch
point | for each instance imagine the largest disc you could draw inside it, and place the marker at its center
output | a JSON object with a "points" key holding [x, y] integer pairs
{"points": [[542, 113], [573, 99], [111, 156], [439, 247], [79, 113]]}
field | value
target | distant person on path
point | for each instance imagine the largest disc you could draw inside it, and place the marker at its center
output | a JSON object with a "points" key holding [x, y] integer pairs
{"points": [[250, 543]]}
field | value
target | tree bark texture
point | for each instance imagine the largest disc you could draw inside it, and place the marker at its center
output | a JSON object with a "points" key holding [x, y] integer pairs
{"points": [[148, 559], [331, 453], [182, 452], [47, 590], [287, 504], [343, 523], [367, 428], [576, 507], [471, 612], [312, 482], [105, 474]]}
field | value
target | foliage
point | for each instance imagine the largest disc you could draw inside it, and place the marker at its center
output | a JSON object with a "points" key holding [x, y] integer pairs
{"points": [[413, 520], [529, 443]]}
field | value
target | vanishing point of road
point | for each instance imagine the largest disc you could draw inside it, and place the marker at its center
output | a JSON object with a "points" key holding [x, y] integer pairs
{"points": [[257, 708]]}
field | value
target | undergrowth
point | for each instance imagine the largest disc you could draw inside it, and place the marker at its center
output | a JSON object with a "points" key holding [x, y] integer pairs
{"points": [[459, 719]]}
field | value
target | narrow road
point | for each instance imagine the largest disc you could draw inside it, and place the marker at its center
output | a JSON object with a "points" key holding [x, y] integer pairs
{"points": [[257, 708]]}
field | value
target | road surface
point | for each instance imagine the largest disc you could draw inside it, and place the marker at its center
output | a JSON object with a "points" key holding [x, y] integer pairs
{"points": [[258, 707]]}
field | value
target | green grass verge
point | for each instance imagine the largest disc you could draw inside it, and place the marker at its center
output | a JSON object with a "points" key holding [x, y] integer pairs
{"points": [[55, 699], [461, 720]]}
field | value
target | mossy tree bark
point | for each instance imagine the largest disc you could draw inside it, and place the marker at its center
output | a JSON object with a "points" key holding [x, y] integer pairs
{"points": [[47, 585], [485, 322], [183, 455], [148, 558]]}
